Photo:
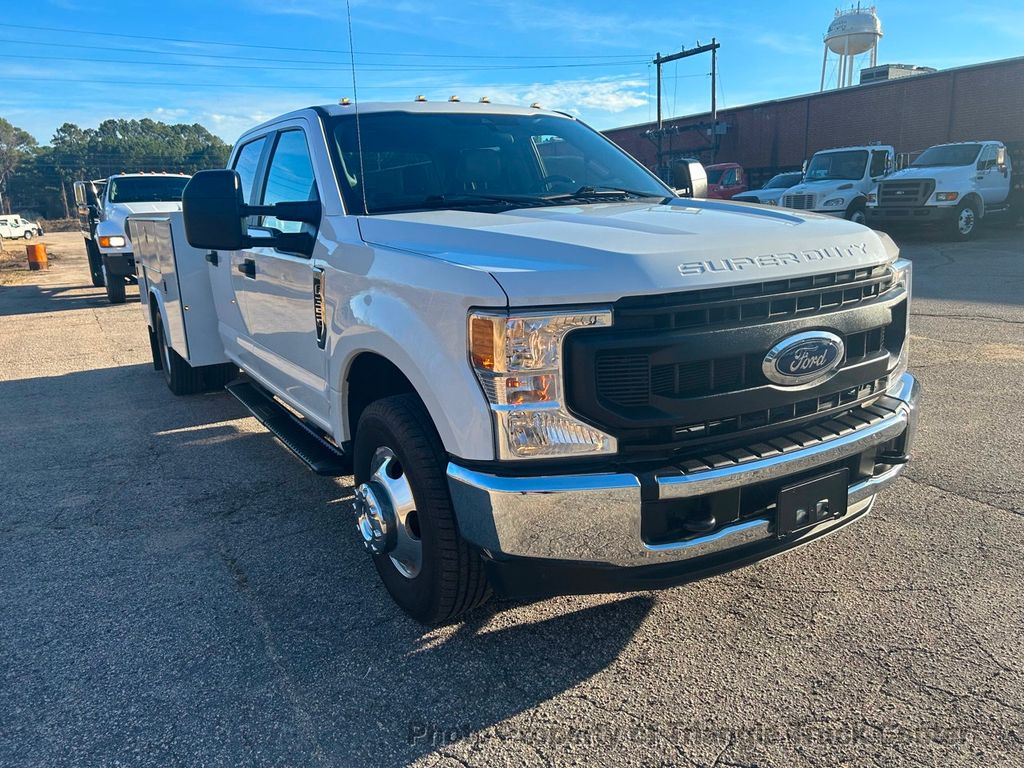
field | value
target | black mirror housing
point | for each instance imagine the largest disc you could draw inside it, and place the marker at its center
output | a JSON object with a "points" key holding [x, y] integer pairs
{"points": [[213, 210]]}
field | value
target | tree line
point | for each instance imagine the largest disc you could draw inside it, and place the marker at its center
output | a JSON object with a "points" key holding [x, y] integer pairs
{"points": [[40, 179]]}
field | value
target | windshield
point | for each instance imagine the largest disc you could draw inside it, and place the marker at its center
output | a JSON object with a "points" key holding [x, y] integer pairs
{"points": [[784, 181], [950, 154], [838, 165], [715, 175], [466, 160], [146, 189]]}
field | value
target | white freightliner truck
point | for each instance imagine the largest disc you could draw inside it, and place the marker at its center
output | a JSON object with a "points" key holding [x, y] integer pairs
{"points": [[837, 181], [548, 373], [104, 206], [950, 185]]}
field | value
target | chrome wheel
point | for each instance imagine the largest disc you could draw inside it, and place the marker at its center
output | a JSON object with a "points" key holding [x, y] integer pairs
{"points": [[387, 516], [965, 221], [859, 217]]}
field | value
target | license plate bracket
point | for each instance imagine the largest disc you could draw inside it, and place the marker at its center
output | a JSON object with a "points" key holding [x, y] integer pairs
{"points": [[812, 501]]}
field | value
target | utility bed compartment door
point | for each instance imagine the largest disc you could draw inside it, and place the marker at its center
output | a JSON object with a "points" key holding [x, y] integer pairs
{"points": [[177, 275]]}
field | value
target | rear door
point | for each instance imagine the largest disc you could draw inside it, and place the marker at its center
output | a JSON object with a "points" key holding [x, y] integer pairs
{"points": [[226, 279], [278, 298]]}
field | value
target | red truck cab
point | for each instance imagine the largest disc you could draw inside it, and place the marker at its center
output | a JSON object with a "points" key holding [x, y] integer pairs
{"points": [[726, 180]]}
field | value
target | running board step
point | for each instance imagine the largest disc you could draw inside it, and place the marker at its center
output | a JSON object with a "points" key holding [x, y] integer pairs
{"points": [[304, 441]]}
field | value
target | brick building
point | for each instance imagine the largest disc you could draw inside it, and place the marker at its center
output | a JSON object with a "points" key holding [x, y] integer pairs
{"points": [[981, 101]]}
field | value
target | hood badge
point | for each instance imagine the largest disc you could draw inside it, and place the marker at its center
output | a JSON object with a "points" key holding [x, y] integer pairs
{"points": [[770, 260], [803, 358]]}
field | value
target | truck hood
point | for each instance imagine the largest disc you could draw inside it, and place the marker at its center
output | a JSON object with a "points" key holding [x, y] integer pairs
{"points": [[824, 186], [602, 252], [944, 175], [116, 213], [762, 195]]}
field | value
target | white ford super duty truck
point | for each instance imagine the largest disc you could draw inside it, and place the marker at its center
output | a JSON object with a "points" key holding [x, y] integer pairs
{"points": [[548, 373], [104, 206], [952, 185]]}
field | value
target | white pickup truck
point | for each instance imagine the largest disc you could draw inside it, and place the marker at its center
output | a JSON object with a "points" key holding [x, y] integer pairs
{"points": [[104, 206], [951, 185], [548, 372], [837, 181]]}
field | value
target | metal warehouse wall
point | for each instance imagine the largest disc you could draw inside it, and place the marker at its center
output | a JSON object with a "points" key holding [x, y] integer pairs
{"points": [[983, 101]]}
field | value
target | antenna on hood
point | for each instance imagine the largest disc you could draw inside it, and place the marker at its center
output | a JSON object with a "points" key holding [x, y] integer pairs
{"points": [[355, 101]]}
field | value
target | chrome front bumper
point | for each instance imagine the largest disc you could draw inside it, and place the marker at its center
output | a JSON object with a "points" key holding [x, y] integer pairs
{"points": [[596, 518]]}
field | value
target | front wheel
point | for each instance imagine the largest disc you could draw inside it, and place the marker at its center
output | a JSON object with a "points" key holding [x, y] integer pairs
{"points": [[28, 234], [857, 214], [965, 221], [115, 287], [405, 514]]}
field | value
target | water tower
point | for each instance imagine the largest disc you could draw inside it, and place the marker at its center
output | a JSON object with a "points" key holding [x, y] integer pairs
{"points": [[853, 33]]}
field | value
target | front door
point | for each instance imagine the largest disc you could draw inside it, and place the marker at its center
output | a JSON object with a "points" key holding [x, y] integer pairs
{"points": [[992, 184], [226, 277], [279, 287]]}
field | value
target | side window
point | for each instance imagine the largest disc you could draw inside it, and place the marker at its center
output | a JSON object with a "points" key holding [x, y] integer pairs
{"points": [[729, 180], [987, 159], [289, 178], [246, 163], [879, 160]]}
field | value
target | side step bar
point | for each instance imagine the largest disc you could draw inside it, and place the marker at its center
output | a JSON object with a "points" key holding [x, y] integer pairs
{"points": [[320, 455]]}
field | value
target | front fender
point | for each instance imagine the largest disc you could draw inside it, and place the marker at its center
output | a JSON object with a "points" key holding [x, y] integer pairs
{"points": [[412, 310], [112, 229]]}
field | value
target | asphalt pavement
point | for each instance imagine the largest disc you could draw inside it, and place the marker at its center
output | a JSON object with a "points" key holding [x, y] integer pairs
{"points": [[177, 590]]}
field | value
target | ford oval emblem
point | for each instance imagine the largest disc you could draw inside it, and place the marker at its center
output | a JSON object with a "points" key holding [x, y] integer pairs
{"points": [[803, 358]]}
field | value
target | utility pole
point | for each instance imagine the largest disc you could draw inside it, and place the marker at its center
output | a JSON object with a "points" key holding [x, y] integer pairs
{"points": [[711, 47]]}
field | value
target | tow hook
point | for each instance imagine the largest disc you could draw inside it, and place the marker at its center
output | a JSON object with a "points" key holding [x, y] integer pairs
{"points": [[375, 520]]}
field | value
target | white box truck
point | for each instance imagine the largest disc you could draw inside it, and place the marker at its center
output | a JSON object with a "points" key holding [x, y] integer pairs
{"points": [[953, 186], [546, 378]]}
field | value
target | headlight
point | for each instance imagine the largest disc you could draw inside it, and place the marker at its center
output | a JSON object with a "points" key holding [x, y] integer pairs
{"points": [[835, 202], [946, 197], [903, 273], [112, 241], [518, 360], [872, 198]]}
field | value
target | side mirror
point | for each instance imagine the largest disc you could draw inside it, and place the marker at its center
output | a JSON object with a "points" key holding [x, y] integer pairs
{"points": [[212, 208], [215, 215], [1001, 158]]}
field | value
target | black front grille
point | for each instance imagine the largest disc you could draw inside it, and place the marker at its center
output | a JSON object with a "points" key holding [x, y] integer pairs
{"points": [[764, 301], [685, 370], [912, 192], [631, 380]]}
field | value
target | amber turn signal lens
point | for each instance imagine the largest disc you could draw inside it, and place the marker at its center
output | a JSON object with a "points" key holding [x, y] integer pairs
{"points": [[481, 342]]}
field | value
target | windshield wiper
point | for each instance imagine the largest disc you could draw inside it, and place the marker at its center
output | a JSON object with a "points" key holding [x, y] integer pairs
{"points": [[598, 192], [463, 200]]}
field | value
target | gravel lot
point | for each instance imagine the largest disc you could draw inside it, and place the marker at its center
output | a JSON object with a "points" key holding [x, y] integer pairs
{"points": [[176, 589]]}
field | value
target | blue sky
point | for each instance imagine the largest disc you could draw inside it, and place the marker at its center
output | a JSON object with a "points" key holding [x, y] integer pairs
{"points": [[172, 60]]}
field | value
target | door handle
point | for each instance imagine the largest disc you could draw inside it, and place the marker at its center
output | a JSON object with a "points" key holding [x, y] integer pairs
{"points": [[248, 268]]}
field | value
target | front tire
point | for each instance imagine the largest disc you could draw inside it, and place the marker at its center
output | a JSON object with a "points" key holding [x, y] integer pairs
{"points": [[857, 213], [965, 221], [427, 567], [115, 287], [28, 234], [95, 263]]}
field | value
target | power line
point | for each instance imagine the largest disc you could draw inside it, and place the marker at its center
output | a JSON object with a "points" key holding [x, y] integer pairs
{"points": [[313, 87], [158, 52], [364, 67], [262, 46]]}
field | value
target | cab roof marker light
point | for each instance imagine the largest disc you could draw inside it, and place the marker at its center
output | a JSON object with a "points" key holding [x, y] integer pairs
{"points": [[345, 101], [535, 105], [421, 97], [453, 99], [485, 99]]}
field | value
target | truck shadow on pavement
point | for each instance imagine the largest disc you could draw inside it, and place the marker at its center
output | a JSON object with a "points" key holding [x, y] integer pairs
{"points": [[31, 299], [170, 567]]}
